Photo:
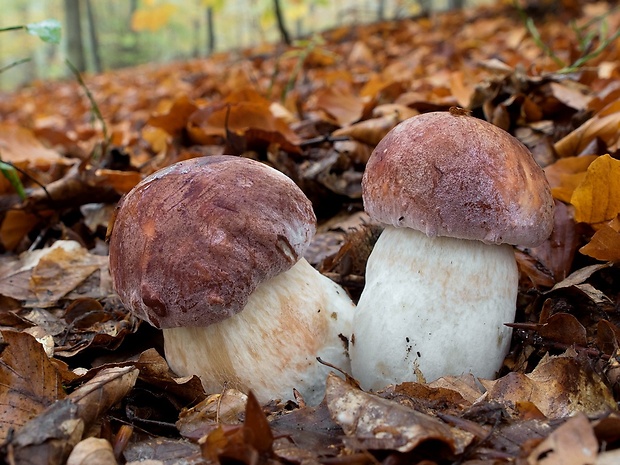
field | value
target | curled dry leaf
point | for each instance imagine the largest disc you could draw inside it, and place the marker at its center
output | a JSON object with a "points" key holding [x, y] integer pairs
{"points": [[566, 174], [20, 146], [371, 422], [605, 244], [92, 451], [573, 443], [173, 115], [559, 387], [599, 127], [597, 198], [50, 437], [29, 381], [42, 277], [344, 107], [245, 443], [227, 407], [370, 131]]}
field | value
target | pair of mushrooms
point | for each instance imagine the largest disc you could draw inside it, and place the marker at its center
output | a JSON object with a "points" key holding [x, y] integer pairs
{"points": [[211, 250]]}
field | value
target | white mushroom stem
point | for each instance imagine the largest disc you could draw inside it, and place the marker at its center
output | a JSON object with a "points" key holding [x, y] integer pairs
{"points": [[433, 306], [271, 346]]}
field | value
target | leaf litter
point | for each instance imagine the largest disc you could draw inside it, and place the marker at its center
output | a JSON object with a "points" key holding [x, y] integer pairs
{"points": [[80, 377]]}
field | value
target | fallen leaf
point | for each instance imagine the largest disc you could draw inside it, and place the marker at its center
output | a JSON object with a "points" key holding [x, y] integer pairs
{"points": [[604, 128], [605, 244], [50, 437], [344, 107], [370, 131], [371, 422], [92, 451], [566, 174], [19, 145], [174, 116], [597, 198], [573, 443], [29, 381], [559, 387]]}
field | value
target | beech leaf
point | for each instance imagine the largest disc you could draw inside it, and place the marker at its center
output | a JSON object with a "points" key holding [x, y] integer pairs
{"points": [[597, 198]]}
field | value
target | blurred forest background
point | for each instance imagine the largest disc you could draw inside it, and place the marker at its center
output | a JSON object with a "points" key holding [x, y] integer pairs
{"points": [[100, 36]]}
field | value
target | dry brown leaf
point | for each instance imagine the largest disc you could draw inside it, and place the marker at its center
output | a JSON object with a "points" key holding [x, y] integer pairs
{"points": [[570, 95], [573, 443], [53, 273], [566, 174], [50, 437], [371, 422], [370, 131], [121, 181], [173, 115], [564, 328], [579, 276], [227, 407], [604, 128], [345, 108], [92, 451], [20, 146], [246, 443], [605, 244], [557, 253], [29, 381], [462, 89], [559, 387], [60, 270], [16, 224]]}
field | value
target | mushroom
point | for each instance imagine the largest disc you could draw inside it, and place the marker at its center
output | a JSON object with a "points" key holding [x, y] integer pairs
{"points": [[211, 251], [452, 191]]}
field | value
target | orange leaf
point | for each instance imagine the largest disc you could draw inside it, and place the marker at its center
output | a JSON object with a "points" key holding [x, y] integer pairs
{"points": [[174, 119], [19, 145], [597, 198], [605, 244], [605, 128], [345, 108], [566, 174]]}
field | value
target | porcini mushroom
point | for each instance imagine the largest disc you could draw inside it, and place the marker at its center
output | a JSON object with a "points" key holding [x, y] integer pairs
{"points": [[452, 191], [211, 250]]}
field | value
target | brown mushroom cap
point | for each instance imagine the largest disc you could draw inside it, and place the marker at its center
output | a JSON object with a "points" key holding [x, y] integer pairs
{"points": [[191, 242], [448, 174]]}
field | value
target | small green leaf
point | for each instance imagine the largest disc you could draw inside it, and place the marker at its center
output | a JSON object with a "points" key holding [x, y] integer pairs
{"points": [[47, 30], [10, 173]]}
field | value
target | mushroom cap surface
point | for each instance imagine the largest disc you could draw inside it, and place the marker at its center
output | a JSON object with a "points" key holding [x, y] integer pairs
{"points": [[191, 242], [449, 174]]}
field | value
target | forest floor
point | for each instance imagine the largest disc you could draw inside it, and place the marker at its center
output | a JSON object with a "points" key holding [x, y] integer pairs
{"points": [[76, 367]]}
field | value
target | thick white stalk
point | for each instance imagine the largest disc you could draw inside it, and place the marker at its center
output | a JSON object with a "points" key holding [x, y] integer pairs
{"points": [[433, 306], [271, 346]]}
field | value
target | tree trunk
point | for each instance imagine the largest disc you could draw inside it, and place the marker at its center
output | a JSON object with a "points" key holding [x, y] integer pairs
{"points": [[380, 10], [210, 31], [456, 4], [73, 27], [286, 38], [94, 38]]}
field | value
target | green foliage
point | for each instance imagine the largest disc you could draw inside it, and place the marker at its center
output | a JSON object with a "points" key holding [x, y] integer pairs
{"points": [[592, 39], [94, 109], [303, 49], [10, 173], [48, 30]]}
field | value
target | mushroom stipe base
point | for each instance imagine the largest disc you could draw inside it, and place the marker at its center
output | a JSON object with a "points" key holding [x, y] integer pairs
{"points": [[433, 307], [270, 347]]}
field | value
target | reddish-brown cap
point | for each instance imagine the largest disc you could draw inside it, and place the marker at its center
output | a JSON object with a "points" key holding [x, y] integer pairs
{"points": [[448, 174], [191, 242]]}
